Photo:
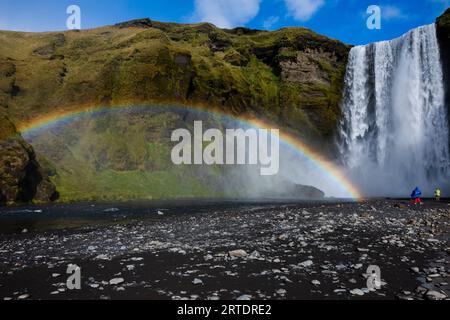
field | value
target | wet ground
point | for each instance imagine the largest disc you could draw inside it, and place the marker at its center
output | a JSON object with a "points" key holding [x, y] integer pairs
{"points": [[228, 250]]}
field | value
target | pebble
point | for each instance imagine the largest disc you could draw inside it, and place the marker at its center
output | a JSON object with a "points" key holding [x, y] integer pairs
{"points": [[306, 264], [415, 269], [315, 282], [238, 253], [281, 292], [102, 257], [357, 292], [116, 281], [435, 295], [208, 257]]}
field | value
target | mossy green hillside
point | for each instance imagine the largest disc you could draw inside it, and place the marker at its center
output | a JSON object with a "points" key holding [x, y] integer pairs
{"points": [[240, 71]]}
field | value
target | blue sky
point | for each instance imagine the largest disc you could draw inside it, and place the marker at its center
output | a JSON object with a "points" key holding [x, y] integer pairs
{"points": [[341, 19]]}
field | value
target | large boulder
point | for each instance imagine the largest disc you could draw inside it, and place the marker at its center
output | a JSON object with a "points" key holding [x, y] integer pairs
{"points": [[305, 192], [21, 177], [284, 189]]}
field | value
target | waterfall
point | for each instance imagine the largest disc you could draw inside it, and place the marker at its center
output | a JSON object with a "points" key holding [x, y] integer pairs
{"points": [[394, 131]]}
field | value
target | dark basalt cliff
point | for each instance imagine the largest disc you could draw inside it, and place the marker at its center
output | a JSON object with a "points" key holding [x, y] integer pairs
{"points": [[21, 177], [443, 33]]}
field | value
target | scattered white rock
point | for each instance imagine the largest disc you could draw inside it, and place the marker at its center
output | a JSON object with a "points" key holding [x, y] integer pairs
{"points": [[435, 295], [238, 253], [116, 281], [208, 257], [136, 259], [283, 237], [281, 292], [340, 290], [102, 257], [415, 269], [306, 264], [357, 292]]}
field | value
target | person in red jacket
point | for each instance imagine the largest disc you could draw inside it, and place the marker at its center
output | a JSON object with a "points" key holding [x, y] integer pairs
{"points": [[415, 196]]}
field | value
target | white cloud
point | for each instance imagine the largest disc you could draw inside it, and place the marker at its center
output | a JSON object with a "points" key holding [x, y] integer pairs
{"points": [[269, 22], [303, 10], [226, 13], [391, 12]]}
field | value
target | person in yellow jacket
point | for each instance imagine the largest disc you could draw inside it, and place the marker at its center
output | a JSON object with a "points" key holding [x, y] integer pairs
{"points": [[437, 194]]}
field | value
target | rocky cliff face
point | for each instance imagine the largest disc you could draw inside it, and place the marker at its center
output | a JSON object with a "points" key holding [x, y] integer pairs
{"points": [[443, 32], [21, 177]]}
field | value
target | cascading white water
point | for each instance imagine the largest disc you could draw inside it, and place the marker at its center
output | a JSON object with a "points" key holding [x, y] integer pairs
{"points": [[394, 131]]}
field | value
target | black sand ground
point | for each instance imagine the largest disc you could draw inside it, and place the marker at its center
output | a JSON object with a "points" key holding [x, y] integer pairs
{"points": [[292, 251]]}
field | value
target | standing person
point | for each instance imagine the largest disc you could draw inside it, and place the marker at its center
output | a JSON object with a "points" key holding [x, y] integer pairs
{"points": [[437, 194], [415, 196]]}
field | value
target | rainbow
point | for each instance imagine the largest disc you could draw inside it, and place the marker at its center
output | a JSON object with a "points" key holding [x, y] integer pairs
{"points": [[293, 142]]}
